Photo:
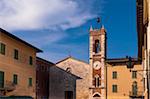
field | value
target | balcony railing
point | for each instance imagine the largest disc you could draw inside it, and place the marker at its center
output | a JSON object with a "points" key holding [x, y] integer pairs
{"points": [[9, 86], [138, 94]]}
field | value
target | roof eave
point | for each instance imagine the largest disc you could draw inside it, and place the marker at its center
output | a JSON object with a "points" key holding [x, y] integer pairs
{"points": [[18, 39]]}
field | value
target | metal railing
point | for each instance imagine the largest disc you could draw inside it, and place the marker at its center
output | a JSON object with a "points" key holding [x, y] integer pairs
{"points": [[136, 93]]}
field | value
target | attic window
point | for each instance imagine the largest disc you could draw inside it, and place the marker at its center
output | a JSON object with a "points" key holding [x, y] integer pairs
{"points": [[68, 69]]}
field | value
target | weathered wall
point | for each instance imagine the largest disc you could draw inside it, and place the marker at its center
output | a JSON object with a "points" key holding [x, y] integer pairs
{"points": [[124, 81], [59, 82], [42, 78], [80, 69], [21, 67]]}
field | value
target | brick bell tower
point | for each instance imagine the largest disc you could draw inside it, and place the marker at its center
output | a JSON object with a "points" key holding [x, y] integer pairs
{"points": [[97, 52]]}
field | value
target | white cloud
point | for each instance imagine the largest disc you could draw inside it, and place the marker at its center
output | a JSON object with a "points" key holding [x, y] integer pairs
{"points": [[39, 14]]}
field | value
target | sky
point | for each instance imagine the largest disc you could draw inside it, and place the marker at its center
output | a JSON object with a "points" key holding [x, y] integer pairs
{"points": [[61, 27]]}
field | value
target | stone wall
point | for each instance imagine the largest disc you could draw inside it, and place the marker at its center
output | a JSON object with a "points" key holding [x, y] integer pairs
{"points": [[59, 82], [80, 69]]}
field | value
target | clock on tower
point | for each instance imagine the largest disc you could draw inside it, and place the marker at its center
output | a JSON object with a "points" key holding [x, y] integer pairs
{"points": [[97, 51]]}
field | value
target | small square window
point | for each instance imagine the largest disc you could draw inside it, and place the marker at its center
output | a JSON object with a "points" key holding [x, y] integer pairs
{"points": [[15, 79], [30, 82], [30, 60], [16, 54], [114, 88], [134, 74], [114, 75], [2, 48]]}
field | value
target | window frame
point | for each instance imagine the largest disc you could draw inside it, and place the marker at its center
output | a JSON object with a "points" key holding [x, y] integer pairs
{"points": [[16, 54], [15, 79], [114, 75], [134, 74], [30, 82], [30, 60], [2, 48], [114, 88]]}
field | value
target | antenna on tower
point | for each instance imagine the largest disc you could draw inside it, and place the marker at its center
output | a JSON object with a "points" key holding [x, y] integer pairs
{"points": [[98, 19]]}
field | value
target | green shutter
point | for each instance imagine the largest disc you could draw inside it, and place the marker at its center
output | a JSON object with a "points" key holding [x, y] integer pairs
{"points": [[1, 79], [15, 54], [114, 74], [30, 81], [134, 74], [114, 88], [2, 48], [15, 79], [30, 60]]}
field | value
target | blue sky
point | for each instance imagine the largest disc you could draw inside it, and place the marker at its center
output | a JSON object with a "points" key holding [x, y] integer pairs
{"points": [[61, 27]]}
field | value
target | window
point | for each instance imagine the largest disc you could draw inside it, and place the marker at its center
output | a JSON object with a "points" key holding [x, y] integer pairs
{"points": [[30, 81], [30, 60], [97, 46], [15, 54], [2, 48], [15, 79], [134, 88], [114, 88], [1, 79], [134, 74], [68, 70], [97, 81], [114, 75]]}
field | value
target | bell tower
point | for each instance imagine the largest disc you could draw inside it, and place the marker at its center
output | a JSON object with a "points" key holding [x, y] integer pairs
{"points": [[97, 55]]}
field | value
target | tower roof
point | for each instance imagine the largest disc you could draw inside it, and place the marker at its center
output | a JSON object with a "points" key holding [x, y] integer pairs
{"points": [[91, 28]]}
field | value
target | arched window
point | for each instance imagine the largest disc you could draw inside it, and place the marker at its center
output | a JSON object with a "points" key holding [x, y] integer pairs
{"points": [[97, 81], [134, 88], [68, 69], [96, 95], [97, 46]]}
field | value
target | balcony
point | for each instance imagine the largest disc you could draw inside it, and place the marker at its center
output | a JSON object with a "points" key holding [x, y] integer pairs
{"points": [[8, 87], [99, 87], [136, 94]]}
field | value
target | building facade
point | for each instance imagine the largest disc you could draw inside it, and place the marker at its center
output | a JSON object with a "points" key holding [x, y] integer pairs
{"points": [[53, 82], [17, 66], [62, 84], [81, 69], [42, 78], [123, 81], [97, 52], [143, 29], [112, 78]]}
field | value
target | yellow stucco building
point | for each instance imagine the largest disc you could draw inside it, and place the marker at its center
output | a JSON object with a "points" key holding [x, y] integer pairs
{"points": [[17, 66], [124, 81]]}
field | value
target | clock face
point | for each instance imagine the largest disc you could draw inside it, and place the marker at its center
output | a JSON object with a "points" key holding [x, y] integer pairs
{"points": [[97, 65]]}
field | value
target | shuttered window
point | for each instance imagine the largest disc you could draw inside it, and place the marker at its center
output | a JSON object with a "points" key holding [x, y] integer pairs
{"points": [[2, 48]]}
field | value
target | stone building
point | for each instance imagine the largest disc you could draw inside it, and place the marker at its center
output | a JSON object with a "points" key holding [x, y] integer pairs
{"points": [[80, 69], [17, 66], [54, 82], [62, 84], [97, 56], [105, 78], [42, 78]]}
